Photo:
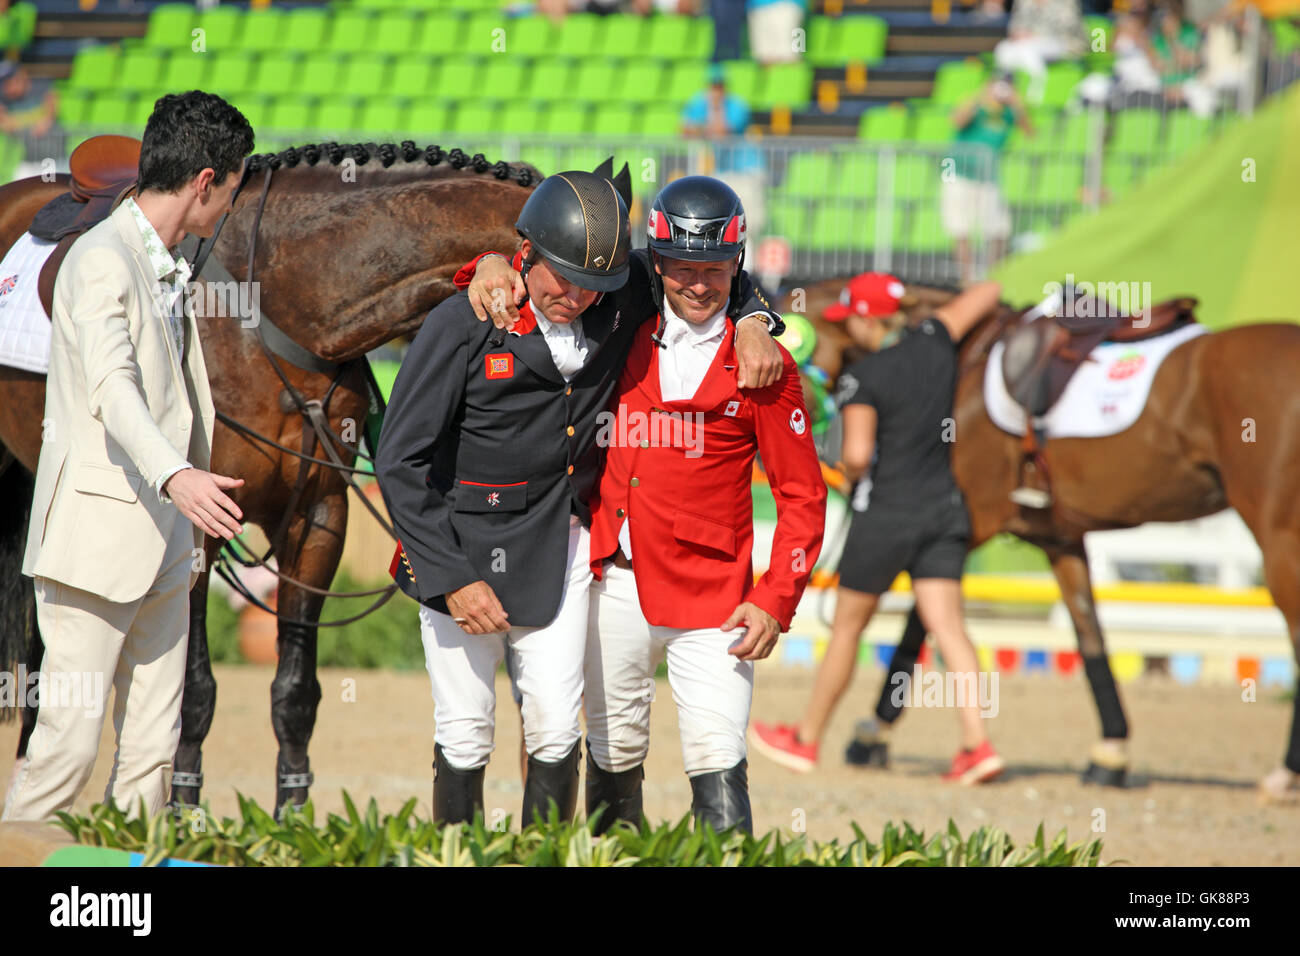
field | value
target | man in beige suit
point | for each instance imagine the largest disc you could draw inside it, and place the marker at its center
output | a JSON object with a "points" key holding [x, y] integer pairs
{"points": [[122, 495]]}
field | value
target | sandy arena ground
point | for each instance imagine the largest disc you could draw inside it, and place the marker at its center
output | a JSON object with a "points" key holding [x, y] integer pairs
{"points": [[1197, 754]]}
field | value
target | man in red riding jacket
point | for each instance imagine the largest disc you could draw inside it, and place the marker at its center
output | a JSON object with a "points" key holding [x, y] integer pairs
{"points": [[672, 520]]}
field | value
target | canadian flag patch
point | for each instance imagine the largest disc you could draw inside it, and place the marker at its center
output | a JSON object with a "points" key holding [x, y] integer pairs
{"points": [[798, 423], [731, 409]]}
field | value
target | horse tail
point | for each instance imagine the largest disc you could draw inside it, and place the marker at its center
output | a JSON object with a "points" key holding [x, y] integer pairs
{"points": [[18, 635]]}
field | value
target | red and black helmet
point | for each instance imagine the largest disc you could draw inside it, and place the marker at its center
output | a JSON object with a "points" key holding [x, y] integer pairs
{"points": [[697, 218]]}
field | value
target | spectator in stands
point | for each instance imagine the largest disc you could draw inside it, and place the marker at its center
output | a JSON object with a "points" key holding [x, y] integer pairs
{"points": [[772, 26], [970, 200], [1040, 32], [29, 110], [728, 21], [721, 117]]}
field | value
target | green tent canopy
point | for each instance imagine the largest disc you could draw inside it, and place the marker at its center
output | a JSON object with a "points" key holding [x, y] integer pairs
{"points": [[1199, 228]]}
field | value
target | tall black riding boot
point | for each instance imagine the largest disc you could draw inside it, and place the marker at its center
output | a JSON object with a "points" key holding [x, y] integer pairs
{"points": [[457, 794], [721, 798], [619, 793], [552, 781]]}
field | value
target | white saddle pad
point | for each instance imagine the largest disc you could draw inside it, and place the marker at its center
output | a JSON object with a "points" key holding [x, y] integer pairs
{"points": [[1105, 396], [24, 327]]}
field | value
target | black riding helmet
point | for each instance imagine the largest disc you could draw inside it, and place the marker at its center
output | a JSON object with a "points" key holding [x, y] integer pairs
{"points": [[699, 219], [578, 222]]}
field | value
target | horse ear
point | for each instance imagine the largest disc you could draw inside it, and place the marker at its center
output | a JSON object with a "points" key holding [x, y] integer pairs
{"points": [[605, 169], [623, 183]]}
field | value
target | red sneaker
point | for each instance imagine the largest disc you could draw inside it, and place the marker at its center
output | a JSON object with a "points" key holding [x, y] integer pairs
{"points": [[780, 742], [975, 766]]}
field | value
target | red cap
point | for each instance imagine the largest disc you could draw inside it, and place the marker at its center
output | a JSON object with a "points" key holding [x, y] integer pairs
{"points": [[869, 294]]}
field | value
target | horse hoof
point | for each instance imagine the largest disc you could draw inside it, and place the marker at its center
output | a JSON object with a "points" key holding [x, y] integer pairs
{"points": [[1280, 788], [1105, 776]]}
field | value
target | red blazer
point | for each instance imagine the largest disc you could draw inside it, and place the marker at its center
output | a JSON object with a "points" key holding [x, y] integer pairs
{"points": [[680, 472]]}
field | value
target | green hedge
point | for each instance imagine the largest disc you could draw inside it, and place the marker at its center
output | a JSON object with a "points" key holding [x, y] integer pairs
{"points": [[400, 839]]}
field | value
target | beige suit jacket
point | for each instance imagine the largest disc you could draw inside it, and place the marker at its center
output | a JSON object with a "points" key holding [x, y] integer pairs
{"points": [[120, 410]]}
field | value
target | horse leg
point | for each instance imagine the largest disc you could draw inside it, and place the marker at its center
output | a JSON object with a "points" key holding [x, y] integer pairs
{"points": [[296, 693], [1108, 759], [1282, 574], [198, 702]]}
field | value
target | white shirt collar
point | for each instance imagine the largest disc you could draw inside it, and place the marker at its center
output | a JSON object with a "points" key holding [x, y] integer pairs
{"points": [[677, 329]]}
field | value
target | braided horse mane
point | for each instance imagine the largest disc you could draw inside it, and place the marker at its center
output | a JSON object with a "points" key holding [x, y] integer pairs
{"points": [[389, 154]]}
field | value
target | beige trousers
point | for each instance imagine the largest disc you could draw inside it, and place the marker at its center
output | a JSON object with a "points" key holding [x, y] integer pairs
{"points": [[139, 649]]}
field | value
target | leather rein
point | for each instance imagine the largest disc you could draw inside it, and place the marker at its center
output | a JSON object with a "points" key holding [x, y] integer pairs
{"points": [[275, 343]]}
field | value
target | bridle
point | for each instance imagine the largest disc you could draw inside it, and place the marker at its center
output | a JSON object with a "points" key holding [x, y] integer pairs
{"points": [[276, 345]]}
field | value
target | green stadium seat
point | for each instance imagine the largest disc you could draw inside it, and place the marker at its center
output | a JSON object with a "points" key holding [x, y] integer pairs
{"points": [[95, 68], [1186, 131], [383, 117], [582, 157], [565, 119], [638, 81], [957, 81], [624, 34], [504, 78], [546, 159], [1044, 120], [366, 76], [685, 80], [669, 37], [111, 110], [1076, 133], [336, 117], [305, 29], [476, 116], [481, 36], [551, 79], [276, 73], [292, 113], [74, 106], [1286, 36], [786, 84], [256, 110], [414, 76], [1118, 174], [1135, 131], [534, 36], [916, 177], [441, 33], [1059, 181], [859, 175], [140, 69], [220, 26], [427, 119], [856, 38], [1062, 78], [1016, 173], [661, 119], [396, 31], [594, 77], [351, 30], [791, 219], [700, 39], [614, 119], [933, 126], [582, 32], [842, 226], [321, 73], [232, 73], [170, 25], [884, 124], [925, 232], [263, 29], [185, 71], [459, 78], [520, 116], [809, 174], [743, 78]]}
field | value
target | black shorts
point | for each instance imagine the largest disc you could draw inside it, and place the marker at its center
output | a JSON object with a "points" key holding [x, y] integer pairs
{"points": [[926, 542]]}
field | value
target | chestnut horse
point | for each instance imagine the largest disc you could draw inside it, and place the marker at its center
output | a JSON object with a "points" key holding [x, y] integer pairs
{"points": [[354, 246], [1217, 432]]}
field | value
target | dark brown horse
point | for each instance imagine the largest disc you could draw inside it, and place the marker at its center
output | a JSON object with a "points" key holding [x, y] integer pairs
{"points": [[1217, 432], [354, 246]]}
